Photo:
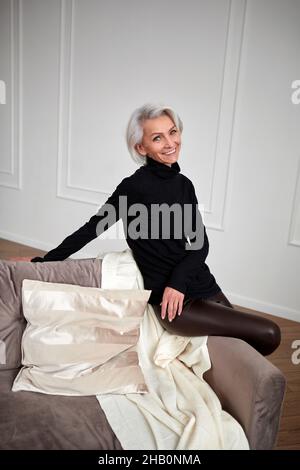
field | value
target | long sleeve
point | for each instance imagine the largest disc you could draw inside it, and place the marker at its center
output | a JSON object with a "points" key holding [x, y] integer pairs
{"points": [[90, 230], [183, 272]]}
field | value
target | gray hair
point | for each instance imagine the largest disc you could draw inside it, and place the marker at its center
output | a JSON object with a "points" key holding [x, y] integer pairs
{"points": [[134, 133]]}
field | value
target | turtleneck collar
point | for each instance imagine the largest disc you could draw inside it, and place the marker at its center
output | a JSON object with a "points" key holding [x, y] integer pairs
{"points": [[162, 170]]}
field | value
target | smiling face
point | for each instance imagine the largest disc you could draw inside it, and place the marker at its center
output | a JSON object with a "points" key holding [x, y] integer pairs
{"points": [[161, 140]]}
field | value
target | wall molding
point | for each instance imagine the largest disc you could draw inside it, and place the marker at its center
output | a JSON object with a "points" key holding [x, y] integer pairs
{"points": [[64, 187], [294, 237], [214, 214], [12, 178]]}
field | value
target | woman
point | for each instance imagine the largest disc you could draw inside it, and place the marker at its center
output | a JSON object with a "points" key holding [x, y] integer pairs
{"points": [[185, 296]]}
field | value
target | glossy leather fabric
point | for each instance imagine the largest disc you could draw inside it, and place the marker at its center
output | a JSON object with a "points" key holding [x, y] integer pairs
{"points": [[217, 317]]}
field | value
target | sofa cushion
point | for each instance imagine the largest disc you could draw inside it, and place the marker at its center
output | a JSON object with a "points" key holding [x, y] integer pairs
{"points": [[81, 340], [83, 272], [35, 421]]}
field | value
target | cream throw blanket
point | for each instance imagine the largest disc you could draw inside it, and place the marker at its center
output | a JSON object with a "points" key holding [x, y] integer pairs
{"points": [[181, 411]]}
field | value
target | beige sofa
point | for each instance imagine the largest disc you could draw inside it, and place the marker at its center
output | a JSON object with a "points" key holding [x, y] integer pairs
{"points": [[249, 387]]}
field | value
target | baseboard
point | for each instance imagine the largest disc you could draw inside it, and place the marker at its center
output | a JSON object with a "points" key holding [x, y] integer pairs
{"points": [[260, 306], [40, 245], [25, 241], [247, 302]]}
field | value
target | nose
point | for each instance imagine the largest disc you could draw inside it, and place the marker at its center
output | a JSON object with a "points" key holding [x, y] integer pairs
{"points": [[169, 142]]}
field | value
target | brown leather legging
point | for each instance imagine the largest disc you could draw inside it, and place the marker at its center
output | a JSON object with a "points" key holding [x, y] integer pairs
{"points": [[217, 317]]}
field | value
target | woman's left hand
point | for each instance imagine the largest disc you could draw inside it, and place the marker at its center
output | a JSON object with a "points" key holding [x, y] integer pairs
{"points": [[172, 303]]}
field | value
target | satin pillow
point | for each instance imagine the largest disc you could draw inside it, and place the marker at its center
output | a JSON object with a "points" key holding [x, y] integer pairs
{"points": [[80, 340]]}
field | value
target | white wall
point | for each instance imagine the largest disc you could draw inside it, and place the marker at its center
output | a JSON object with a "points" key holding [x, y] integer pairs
{"points": [[74, 72]]}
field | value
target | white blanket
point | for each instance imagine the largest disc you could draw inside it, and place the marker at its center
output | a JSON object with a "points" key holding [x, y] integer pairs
{"points": [[181, 411]]}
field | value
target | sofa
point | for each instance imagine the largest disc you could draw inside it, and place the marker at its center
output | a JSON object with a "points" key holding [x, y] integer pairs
{"points": [[248, 386]]}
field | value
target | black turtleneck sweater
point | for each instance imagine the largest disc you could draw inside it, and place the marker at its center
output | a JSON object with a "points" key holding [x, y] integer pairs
{"points": [[162, 262]]}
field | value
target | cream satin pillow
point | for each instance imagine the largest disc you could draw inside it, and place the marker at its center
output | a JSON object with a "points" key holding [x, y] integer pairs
{"points": [[80, 340]]}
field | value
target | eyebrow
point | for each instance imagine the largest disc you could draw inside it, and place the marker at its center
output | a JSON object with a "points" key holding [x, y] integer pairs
{"points": [[153, 133]]}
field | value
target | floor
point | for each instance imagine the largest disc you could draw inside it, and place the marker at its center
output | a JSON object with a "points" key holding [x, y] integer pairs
{"points": [[289, 432]]}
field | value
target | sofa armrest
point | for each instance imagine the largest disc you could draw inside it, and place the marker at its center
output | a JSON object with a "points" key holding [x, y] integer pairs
{"points": [[249, 388]]}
